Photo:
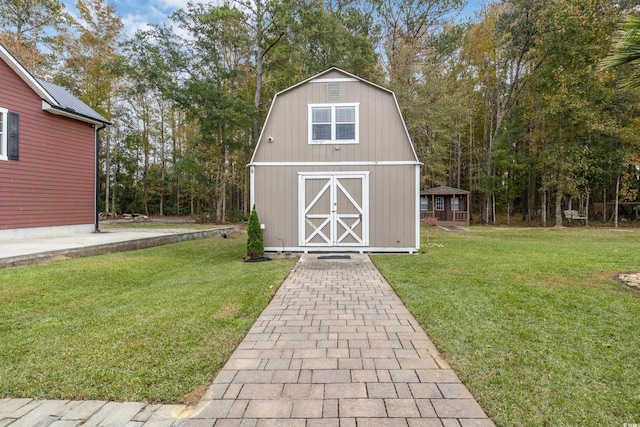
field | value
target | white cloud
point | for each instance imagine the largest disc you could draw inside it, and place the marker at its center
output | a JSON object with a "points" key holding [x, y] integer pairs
{"points": [[134, 23], [179, 4]]}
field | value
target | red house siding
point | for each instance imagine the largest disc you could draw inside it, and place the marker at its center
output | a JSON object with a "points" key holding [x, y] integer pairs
{"points": [[53, 182]]}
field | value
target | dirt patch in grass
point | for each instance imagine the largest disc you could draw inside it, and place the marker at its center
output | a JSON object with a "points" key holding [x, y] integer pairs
{"points": [[227, 312], [195, 396]]}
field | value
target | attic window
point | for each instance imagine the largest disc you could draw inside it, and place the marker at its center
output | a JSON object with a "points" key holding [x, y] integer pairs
{"points": [[333, 123], [333, 91]]}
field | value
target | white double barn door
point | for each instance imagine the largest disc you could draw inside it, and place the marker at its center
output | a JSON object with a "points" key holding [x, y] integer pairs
{"points": [[333, 209]]}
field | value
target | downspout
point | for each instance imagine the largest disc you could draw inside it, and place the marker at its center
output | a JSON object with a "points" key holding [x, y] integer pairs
{"points": [[97, 178]]}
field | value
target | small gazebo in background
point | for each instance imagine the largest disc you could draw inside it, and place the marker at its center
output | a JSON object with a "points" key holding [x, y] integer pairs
{"points": [[449, 205]]}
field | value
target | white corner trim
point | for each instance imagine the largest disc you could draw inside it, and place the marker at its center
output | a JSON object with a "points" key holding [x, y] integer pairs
{"points": [[252, 186], [417, 207]]}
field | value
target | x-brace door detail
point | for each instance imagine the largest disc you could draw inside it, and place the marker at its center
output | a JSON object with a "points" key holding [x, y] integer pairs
{"points": [[333, 209]]}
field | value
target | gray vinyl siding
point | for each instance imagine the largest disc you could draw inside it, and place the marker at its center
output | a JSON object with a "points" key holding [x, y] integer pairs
{"points": [[392, 203], [382, 133], [276, 165]]}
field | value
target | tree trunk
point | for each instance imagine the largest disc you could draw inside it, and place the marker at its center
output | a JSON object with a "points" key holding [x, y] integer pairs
{"points": [[615, 213], [147, 149], [259, 59], [586, 210], [558, 209], [543, 208], [531, 208], [458, 159]]}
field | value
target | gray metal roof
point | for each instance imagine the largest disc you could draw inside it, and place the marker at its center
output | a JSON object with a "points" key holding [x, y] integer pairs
{"points": [[443, 189], [66, 101]]}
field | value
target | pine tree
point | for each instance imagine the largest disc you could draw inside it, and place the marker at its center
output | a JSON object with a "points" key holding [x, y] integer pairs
{"points": [[255, 244]]}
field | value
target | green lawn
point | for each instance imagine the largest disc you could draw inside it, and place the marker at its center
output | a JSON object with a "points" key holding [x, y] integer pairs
{"points": [[532, 320], [152, 325]]}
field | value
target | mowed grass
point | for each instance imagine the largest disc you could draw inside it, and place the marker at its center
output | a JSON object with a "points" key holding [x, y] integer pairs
{"points": [[532, 320], [152, 325]]}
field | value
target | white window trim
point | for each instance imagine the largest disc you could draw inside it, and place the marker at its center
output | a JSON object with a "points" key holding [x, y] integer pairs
{"points": [[333, 139], [455, 203], [4, 138], [439, 204]]}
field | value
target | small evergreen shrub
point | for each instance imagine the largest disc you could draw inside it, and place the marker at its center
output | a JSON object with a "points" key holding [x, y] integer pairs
{"points": [[255, 244]]}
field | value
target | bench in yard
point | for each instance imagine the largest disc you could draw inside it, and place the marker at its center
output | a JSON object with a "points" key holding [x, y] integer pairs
{"points": [[571, 214]]}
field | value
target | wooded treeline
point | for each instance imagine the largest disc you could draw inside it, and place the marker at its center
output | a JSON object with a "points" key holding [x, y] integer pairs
{"points": [[513, 104]]}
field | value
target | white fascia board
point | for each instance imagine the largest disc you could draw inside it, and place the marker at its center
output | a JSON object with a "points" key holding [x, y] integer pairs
{"points": [[353, 163], [25, 76], [334, 80], [66, 113]]}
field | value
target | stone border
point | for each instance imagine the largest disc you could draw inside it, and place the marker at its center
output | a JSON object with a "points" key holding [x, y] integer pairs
{"points": [[105, 248]]}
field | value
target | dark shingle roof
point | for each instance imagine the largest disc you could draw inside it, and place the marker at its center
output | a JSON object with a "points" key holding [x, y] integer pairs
{"points": [[66, 101]]}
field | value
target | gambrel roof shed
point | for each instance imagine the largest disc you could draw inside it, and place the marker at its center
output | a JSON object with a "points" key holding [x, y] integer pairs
{"points": [[48, 156], [335, 169]]}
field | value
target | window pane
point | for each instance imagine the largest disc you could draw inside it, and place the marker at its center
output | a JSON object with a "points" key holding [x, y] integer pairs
{"points": [[321, 132], [345, 114], [345, 131], [321, 115]]}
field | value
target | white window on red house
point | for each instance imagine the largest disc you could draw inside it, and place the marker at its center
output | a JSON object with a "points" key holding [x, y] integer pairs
{"points": [[439, 203], [3, 134]]}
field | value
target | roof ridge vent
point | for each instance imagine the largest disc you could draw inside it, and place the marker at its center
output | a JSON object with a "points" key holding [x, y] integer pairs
{"points": [[333, 91]]}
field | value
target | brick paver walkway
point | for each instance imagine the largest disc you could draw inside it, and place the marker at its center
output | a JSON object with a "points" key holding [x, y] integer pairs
{"points": [[337, 347]]}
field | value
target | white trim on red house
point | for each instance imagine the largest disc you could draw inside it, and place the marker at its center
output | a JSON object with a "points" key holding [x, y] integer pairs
{"points": [[25, 75], [49, 103], [4, 155], [66, 113]]}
